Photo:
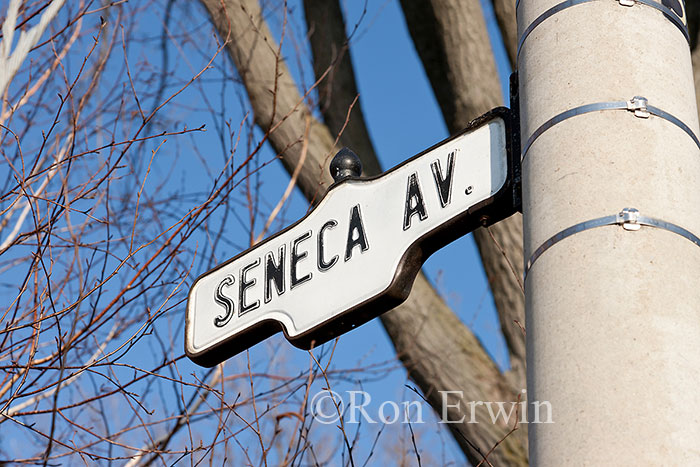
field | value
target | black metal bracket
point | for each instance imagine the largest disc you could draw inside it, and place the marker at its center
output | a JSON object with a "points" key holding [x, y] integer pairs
{"points": [[515, 142]]}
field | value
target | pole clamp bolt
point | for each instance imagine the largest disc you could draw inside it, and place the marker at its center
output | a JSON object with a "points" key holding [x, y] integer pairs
{"points": [[638, 105], [628, 218]]}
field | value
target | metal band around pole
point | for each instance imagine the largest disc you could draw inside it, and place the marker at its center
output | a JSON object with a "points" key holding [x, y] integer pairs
{"points": [[628, 218], [667, 12], [639, 105]]}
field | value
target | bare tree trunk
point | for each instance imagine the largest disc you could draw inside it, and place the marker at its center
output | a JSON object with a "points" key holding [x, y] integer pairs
{"points": [[451, 39], [693, 15], [440, 353], [338, 91], [505, 16]]}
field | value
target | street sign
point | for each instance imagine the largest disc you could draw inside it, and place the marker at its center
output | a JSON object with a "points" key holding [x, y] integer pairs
{"points": [[356, 254]]}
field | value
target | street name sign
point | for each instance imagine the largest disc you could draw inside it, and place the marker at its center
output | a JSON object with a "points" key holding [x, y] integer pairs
{"points": [[357, 253]]}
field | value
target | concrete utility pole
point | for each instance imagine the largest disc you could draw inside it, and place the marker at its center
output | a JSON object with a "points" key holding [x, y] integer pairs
{"points": [[612, 295]]}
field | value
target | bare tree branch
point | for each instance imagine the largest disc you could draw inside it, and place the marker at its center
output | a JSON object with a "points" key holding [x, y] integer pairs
{"points": [[10, 62]]}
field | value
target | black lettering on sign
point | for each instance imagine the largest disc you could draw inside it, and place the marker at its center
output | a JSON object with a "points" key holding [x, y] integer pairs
{"points": [[296, 257], [245, 284], [224, 301], [444, 184], [274, 272], [414, 202], [356, 227], [324, 265]]}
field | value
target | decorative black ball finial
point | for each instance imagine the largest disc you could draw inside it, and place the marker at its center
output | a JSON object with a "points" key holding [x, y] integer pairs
{"points": [[345, 164]]}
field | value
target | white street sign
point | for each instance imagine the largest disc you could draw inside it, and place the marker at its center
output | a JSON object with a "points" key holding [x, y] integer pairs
{"points": [[356, 254]]}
